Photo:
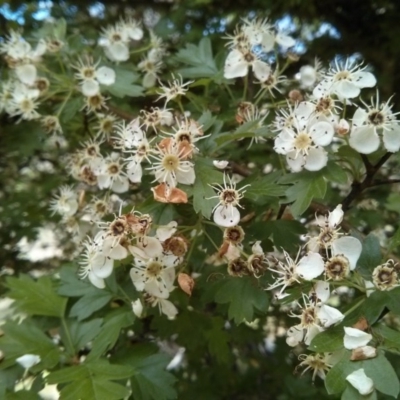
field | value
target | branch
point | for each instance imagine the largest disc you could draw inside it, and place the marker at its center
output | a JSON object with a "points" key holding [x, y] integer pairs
{"points": [[121, 113]]}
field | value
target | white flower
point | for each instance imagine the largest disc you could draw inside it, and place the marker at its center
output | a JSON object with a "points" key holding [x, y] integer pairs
{"points": [[155, 274], [90, 77], [238, 62], [132, 28], [354, 338], [226, 213], [24, 102], [28, 360], [370, 123], [345, 80], [165, 306], [66, 203], [151, 69], [95, 264], [110, 175], [303, 145], [176, 88], [171, 167], [359, 380], [310, 266], [309, 75], [320, 363], [128, 136], [115, 42]]}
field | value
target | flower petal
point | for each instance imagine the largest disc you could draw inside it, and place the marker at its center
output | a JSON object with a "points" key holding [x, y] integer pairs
{"points": [[364, 79], [348, 246], [284, 142], [310, 266], [284, 40], [295, 335], [103, 268], [359, 380], [329, 315], [295, 161], [359, 118], [336, 216], [354, 338], [226, 216], [235, 65], [321, 289], [322, 133], [28, 360], [391, 138], [261, 70], [317, 159], [26, 74], [346, 89], [105, 75], [90, 87], [365, 140]]}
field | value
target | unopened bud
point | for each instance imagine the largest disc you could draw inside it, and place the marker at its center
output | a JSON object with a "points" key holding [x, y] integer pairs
{"points": [[295, 96], [293, 57], [137, 308], [343, 127]]}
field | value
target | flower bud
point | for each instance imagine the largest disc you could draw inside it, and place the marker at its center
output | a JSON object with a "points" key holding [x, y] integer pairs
{"points": [[342, 128], [137, 308]]}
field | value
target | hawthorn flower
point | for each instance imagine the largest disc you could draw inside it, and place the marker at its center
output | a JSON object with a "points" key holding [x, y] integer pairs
{"points": [[24, 102], [95, 265], [157, 117], [385, 276], [90, 77], [174, 89], [368, 124], [226, 213], [132, 28], [128, 136], [309, 75], [360, 381], [28, 360], [169, 166], [318, 363], [165, 306], [345, 80], [111, 175], [151, 68], [66, 203], [303, 144], [51, 124], [153, 272], [115, 40]]}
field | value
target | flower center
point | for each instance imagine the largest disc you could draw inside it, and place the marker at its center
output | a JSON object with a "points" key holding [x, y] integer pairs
{"points": [[302, 141], [324, 104], [342, 75], [113, 169], [27, 105], [170, 162], [117, 227], [154, 269], [88, 72], [229, 196], [337, 268], [376, 118], [308, 317]]}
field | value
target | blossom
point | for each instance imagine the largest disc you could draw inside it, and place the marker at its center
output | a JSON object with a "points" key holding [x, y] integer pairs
{"points": [[385, 276], [24, 102], [175, 89], [359, 380], [110, 175], [310, 74], [65, 203], [115, 40], [319, 363], [345, 80], [303, 144], [368, 124], [226, 213]]}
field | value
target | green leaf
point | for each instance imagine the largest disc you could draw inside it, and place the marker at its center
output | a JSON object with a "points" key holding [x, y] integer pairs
{"points": [[200, 59], [263, 187], [27, 338], [80, 333], [151, 381], [70, 109], [36, 298], [394, 241], [92, 381], [352, 393], [378, 369], [374, 306], [243, 296], [370, 257], [328, 341], [110, 332], [123, 85], [23, 395], [218, 342], [89, 303], [308, 187], [206, 174], [71, 285], [335, 173], [389, 337]]}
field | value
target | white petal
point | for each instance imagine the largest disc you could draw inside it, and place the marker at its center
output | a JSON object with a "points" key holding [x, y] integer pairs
{"points": [[118, 52], [135, 173], [120, 185], [28, 360], [346, 89], [310, 266], [168, 308], [220, 164], [103, 181], [226, 216], [323, 88], [284, 40], [105, 75], [361, 382], [284, 142], [354, 338], [312, 331], [26, 74], [359, 118], [267, 41], [235, 65], [165, 232], [336, 216], [322, 133], [137, 279], [261, 70], [391, 138], [348, 246], [151, 246], [90, 87], [256, 248], [156, 288], [365, 140], [295, 335], [103, 268], [149, 80], [364, 79], [321, 288], [296, 164], [96, 281], [308, 75], [304, 110], [186, 177], [329, 315], [317, 159]]}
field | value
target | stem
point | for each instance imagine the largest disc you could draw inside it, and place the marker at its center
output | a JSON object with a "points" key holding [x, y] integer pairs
{"points": [[355, 306], [63, 104], [212, 241], [228, 89], [246, 84], [125, 296]]}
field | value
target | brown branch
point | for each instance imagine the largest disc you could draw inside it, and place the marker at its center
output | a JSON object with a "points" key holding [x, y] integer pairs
{"points": [[359, 187], [121, 113]]}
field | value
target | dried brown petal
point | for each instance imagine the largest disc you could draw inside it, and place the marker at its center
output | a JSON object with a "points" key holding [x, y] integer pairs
{"points": [[186, 283]]}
